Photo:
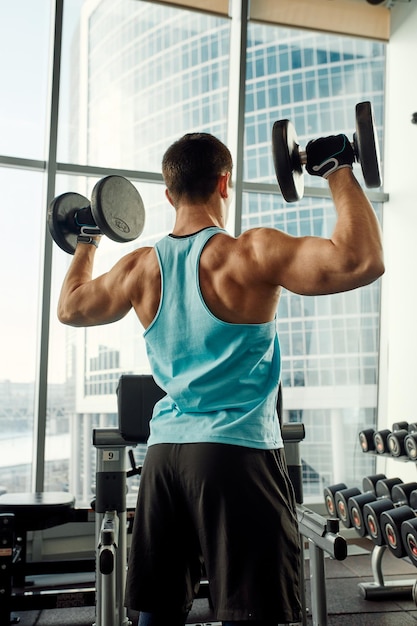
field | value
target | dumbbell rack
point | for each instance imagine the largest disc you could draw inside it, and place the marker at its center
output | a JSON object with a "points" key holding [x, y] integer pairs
{"points": [[395, 447], [380, 588]]}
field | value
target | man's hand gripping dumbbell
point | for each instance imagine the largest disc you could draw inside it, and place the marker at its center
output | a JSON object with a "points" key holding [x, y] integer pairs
{"points": [[329, 154]]}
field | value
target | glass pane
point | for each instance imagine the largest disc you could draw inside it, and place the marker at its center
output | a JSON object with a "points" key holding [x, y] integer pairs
{"points": [[135, 77], [19, 258], [25, 46], [86, 364], [314, 80]]}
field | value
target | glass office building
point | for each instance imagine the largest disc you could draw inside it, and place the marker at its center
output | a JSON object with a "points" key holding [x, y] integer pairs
{"points": [[138, 76]]}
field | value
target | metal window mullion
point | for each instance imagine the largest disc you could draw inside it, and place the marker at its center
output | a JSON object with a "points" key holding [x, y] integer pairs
{"points": [[309, 192], [41, 383], [100, 171], [239, 13], [21, 163]]}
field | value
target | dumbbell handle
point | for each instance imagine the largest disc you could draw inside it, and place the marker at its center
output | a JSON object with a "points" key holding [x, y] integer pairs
{"points": [[84, 222], [303, 153]]}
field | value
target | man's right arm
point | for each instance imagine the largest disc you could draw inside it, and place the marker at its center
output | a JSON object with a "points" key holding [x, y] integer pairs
{"points": [[352, 257]]}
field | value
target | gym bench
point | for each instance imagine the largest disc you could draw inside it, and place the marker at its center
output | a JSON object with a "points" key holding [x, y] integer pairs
{"points": [[21, 513]]}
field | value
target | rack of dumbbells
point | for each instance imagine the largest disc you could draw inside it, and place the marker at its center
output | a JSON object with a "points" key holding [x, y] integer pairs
{"points": [[385, 510]]}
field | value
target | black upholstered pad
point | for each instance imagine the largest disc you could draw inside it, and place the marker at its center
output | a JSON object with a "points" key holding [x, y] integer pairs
{"points": [[36, 511]]}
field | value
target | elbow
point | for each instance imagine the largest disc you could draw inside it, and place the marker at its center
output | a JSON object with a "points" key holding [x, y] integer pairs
{"points": [[370, 269], [379, 269], [361, 267], [61, 313], [375, 266], [65, 316]]}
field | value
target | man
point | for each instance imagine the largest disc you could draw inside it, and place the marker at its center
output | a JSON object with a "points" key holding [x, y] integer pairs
{"points": [[214, 483]]}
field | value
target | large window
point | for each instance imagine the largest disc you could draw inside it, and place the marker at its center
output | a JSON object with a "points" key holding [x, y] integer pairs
{"points": [[134, 77]]}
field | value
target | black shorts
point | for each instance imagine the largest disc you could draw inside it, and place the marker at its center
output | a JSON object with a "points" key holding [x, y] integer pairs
{"points": [[229, 507]]}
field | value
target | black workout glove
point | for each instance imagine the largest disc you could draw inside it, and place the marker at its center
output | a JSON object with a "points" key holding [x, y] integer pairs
{"points": [[328, 154]]}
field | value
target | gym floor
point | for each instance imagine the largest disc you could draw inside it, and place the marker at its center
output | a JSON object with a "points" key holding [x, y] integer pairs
{"points": [[345, 604]]}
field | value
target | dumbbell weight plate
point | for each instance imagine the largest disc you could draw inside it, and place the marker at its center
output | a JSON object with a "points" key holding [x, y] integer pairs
{"points": [[401, 493], [412, 500], [391, 522], [384, 487], [329, 495], [369, 482], [118, 209], [366, 145], [380, 439], [60, 212], [395, 442], [355, 506], [287, 162], [400, 426], [366, 440], [409, 538], [371, 513], [342, 502], [410, 445]]}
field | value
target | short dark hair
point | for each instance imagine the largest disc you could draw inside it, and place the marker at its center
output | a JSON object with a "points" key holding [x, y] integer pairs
{"points": [[192, 165]]}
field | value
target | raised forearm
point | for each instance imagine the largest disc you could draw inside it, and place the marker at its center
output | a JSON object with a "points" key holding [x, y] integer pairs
{"points": [[357, 232]]}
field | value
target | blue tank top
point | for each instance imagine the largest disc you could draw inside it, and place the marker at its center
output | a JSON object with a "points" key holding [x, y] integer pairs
{"points": [[221, 379]]}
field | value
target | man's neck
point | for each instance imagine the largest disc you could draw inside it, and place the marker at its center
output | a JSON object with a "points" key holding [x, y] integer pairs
{"points": [[191, 219]]}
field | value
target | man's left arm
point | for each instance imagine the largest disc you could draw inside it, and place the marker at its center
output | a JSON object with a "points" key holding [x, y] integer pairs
{"points": [[85, 301]]}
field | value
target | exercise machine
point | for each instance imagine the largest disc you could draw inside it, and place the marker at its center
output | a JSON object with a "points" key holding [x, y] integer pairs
{"points": [[136, 398]]}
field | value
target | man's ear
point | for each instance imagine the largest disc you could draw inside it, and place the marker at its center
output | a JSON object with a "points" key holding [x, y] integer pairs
{"points": [[224, 188], [169, 197]]}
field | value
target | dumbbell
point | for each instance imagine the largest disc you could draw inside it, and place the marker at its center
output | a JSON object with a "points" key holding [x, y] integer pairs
{"points": [[357, 502], [116, 210], [289, 159], [401, 426], [337, 497], [329, 498], [367, 438], [392, 441], [382, 512], [368, 484], [392, 522], [350, 502], [401, 441]]}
